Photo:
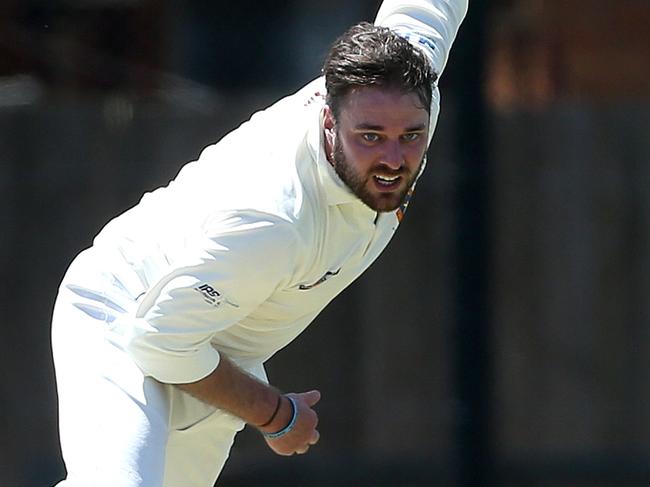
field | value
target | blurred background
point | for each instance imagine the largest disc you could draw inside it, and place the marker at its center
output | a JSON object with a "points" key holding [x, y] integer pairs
{"points": [[503, 339]]}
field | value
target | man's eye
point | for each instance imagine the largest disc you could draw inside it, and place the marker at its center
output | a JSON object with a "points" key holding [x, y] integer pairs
{"points": [[410, 137], [370, 137]]}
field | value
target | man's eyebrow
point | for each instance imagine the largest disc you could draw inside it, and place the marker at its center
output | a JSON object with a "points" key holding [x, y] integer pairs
{"points": [[379, 128], [369, 126], [417, 128]]}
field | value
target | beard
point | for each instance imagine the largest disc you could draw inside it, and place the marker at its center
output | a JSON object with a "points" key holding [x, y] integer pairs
{"points": [[362, 184]]}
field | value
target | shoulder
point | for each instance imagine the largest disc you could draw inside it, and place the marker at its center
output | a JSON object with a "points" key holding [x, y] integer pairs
{"points": [[267, 164], [288, 114]]}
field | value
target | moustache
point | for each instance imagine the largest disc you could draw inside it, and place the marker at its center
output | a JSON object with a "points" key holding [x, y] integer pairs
{"points": [[383, 170]]}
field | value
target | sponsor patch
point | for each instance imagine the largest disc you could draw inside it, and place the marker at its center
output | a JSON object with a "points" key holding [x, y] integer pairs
{"points": [[212, 296]]}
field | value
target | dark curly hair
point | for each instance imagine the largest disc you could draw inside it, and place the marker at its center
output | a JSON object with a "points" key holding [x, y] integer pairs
{"points": [[370, 55]]}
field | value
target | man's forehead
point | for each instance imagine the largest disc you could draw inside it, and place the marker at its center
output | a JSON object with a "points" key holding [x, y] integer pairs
{"points": [[374, 106]]}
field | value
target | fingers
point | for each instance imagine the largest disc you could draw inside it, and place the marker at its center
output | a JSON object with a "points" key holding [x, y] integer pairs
{"points": [[311, 397], [315, 437], [300, 449]]}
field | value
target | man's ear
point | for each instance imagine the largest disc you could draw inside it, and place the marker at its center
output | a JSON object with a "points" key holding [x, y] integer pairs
{"points": [[328, 119], [328, 128]]}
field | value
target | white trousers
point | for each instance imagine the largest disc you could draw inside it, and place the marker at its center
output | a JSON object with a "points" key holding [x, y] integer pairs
{"points": [[118, 427]]}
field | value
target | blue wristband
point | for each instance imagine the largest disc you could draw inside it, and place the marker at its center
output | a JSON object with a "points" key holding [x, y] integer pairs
{"points": [[289, 427]]}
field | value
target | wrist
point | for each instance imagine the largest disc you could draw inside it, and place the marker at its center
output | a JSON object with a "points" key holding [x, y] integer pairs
{"points": [[275, 413], [281, 419], [272, 431]]}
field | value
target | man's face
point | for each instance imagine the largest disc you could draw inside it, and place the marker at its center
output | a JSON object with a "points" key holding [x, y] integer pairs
{"points": [[378, 143]]}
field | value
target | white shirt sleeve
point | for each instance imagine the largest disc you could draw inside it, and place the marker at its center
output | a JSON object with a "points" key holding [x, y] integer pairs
{"points": [[222, 276], [431, 25]]}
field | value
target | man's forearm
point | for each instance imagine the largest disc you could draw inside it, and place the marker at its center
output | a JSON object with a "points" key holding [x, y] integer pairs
{"points": [[230, 388], [290, 418]]}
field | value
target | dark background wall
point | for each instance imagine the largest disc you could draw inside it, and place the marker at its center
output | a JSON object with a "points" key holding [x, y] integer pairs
{"points": [[503, 337]]}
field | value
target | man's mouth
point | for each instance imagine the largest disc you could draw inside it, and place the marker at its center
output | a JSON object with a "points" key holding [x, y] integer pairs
{"points": [[386, 182], [387, 179]]}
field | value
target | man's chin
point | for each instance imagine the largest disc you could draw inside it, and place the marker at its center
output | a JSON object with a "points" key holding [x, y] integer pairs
{"points": [[384, 203], [387, 209]]}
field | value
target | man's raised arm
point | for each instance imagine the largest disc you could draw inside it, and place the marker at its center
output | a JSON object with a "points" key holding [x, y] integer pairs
{"points": [[429, 24]]}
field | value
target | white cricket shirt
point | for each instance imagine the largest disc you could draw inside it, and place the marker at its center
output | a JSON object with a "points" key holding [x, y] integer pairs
{"points": [[248, 244], [244, 248]]}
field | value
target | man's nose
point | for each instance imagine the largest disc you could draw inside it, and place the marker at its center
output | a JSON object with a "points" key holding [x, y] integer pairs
{"points": [[393, 155]]}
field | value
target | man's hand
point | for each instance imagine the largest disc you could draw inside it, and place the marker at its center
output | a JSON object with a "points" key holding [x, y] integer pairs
{"points": [[304, 433]]}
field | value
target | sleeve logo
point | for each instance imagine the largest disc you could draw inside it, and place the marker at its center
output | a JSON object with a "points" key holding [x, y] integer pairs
{"points": [[415, 37], [212, 296]]}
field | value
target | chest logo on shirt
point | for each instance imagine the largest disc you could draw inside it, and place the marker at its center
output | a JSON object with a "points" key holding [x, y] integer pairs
{"points": [[212, 296], [328, 274]]}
